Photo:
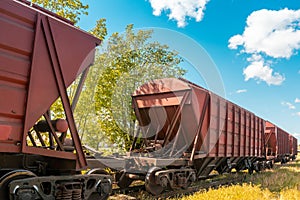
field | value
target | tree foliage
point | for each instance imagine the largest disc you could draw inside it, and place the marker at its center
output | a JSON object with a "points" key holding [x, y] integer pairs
{"points": [[85, 112], [69, 9], [100, 30], [128, 60]]}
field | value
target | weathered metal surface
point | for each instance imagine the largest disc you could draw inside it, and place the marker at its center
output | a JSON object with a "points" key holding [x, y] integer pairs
{"points": [[93, 186], [106, 162], [182, 120], [277, 140], [293, 145], [242, 132], [270, 142], [222, 135], [143, 163], [40, 56]]}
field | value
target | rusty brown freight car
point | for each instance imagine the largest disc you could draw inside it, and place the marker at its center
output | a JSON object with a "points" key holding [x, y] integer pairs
{"points": [[188, 131], [41, 54], [277, 143], [293, 147]]}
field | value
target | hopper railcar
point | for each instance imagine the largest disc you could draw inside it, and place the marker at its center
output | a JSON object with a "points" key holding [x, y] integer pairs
{"points": [[279, 143], [41, 54], [186, 133], [293, 147]]}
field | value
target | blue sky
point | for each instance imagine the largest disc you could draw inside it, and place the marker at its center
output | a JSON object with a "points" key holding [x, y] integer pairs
{"points": [[254, 44]]}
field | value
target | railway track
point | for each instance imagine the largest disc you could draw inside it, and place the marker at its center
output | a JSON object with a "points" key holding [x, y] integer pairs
{"points": [[129, 190], [213, 181]]}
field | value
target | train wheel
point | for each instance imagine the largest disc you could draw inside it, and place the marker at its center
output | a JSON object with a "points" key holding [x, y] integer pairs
{"points": [[150, 184], [257, 167], [271, 164], [103, 192], [237, 169], [250, 170], [9, 177], [220, 170], [192, 178], [123, 180], [188, 184], [97, 171]]}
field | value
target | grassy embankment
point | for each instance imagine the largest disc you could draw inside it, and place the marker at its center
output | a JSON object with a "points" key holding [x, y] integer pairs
{"points": [[280, 183]]}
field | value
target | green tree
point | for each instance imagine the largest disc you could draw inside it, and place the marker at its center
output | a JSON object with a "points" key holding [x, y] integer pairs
{"points": [[69, 9], [84, 114], [128, 60], [100, 30]]}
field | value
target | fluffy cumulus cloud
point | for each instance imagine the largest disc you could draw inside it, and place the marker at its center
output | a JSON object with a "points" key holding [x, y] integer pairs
{"points": [[180, 10], [269, 34], [297, 100], [259, 70], [289, 105]]}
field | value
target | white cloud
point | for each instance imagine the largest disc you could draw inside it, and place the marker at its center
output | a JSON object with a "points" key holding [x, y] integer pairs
{"points": [[241, 91], [275, 33], [260, 71], [297, 100], [235, 41], [269, 34], [180, 10], [288, 104], [298, 113]]}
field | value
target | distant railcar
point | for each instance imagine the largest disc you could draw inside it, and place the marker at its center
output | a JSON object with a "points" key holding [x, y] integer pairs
{"points": [[293, 147], [277, 143]]}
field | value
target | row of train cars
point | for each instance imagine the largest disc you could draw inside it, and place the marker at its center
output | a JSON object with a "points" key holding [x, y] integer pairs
{"points": [[185, 131]]}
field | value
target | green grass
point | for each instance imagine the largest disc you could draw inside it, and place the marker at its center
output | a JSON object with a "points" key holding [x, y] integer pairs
{"points": [[280, 183], [235, 192], [245, 192], [281, 177]]}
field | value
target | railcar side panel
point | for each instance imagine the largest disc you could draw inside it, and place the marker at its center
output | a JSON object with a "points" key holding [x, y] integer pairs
{"points": [[213, 128], [293, 145], [35, 47], [277, 142], [41, 54]]}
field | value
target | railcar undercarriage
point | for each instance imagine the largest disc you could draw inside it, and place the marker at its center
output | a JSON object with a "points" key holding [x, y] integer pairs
{"points": [[23, 184]]}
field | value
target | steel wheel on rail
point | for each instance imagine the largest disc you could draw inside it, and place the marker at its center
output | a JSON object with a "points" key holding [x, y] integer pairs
{"points": [[150, 184], [97, 171], [103, 189], [9, 177], [122, 180], [190, 179]]}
